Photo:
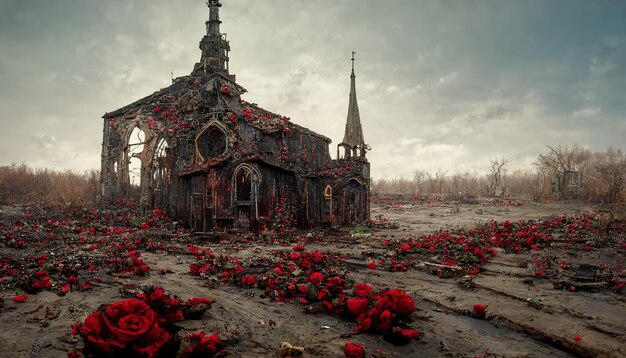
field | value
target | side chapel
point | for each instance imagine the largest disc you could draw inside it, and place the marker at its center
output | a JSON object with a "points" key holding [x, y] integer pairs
{"points": [[212, 159]]}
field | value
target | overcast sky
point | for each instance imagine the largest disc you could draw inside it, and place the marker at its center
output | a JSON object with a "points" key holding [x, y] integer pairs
{"points": [[441, 85]]}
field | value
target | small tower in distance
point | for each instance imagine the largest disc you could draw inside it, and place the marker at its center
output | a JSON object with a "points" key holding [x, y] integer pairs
{"points": [[353, 142]]}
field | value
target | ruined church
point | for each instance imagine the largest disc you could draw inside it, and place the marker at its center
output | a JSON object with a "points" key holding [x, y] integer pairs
{"points": [[214, 160]]}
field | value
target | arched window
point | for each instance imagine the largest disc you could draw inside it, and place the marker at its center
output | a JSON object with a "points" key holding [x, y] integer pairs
{"points": [[136, 142], [212, 142], [161, 159], [161, 169]]}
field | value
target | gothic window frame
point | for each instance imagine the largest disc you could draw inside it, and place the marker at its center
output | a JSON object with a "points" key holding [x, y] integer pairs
{"points": [[212, 125]]}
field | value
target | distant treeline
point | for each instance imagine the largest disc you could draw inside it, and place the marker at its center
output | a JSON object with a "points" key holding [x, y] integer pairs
{"points": [[22, 184], [601, 177]]}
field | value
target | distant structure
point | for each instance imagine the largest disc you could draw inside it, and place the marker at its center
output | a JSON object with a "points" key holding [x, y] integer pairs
{"points": [[567, 185], [212, 159]]}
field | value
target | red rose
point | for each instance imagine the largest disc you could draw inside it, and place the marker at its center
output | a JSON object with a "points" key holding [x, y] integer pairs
{"points": [[365, 324], [316, 278], [578, 338], [225, 90], [401, 336], [202, 345], [363, 289], [127, 324], [145, 226], [356, 306], [385, 321], [479, 311], [20, 299], [249, 280], [353, 350], [405, 306]]}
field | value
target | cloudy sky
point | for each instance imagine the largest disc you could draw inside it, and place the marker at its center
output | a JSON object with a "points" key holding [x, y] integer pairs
{"points": [[442, 85]]}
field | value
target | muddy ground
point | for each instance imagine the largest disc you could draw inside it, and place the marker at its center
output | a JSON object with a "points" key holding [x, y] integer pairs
{"points": [[527, 315]]}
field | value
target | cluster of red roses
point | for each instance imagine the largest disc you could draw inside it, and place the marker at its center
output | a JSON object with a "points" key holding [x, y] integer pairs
{"points": [[336, 168], [313, 277], [351, 350], [497, 202], [85, 241], [386, 313], [263, 119], [472, 248], [142, 327]]}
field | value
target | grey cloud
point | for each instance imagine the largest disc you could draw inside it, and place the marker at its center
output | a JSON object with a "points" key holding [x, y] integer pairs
{"points": [[441, 85]]}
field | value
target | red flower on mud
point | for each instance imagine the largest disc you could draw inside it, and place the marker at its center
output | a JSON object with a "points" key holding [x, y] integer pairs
{"points": [[479, 311], [396, 301], [249, 280], [356, 306], [474, 271], [353, 350], [20, 299], [65, 288], [401, 336], [145, 226], [298, 247], [203, 345], [123, 327], [578, 338], [363, 289], [168, 308], [316, 278]]}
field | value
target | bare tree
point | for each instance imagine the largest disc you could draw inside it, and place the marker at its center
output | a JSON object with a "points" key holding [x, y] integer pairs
{"points": [[560, 159], [607, 177], [418, 178], [496, 167]]}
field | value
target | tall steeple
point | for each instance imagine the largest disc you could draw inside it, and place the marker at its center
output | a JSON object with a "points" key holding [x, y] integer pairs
{"points": [[353, 141], [214, 45]]}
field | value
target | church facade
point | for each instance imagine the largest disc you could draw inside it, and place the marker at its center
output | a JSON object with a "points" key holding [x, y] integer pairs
{"points": [[214, 160]]}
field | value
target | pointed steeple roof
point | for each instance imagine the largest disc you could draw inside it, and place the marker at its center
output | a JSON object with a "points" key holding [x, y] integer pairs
{"points": [[353, 136]]}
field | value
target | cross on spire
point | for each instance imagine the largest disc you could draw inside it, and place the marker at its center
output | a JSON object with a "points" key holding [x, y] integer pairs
{"points": [[353, 53]]}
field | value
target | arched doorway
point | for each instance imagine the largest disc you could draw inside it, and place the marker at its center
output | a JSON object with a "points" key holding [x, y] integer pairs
{"points": [[246, 180], [328, 205]]}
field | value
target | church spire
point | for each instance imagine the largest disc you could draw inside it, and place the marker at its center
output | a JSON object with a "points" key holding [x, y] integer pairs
{"points": [[353, 141], [214, 45]]}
